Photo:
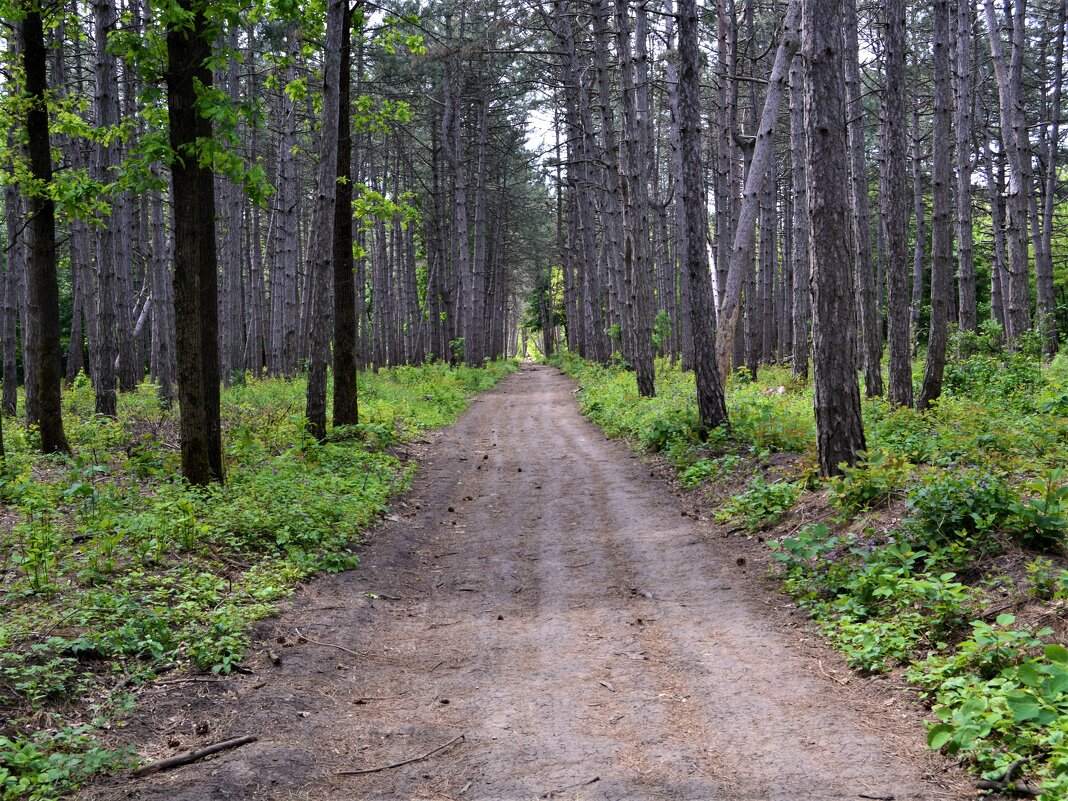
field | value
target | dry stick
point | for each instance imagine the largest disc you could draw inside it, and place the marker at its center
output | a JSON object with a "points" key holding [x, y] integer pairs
{"points": [[326, 644], [193, 756], [552, 793], [427, 755]]}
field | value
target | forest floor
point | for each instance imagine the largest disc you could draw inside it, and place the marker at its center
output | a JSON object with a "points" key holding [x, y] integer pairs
{"points": [[542, 605]]}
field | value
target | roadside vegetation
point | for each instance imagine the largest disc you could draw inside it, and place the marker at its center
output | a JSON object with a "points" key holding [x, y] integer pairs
{"points": [[113, 570], [940, 556]]}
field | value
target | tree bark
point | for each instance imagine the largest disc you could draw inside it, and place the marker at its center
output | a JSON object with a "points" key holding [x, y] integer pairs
{"points": [[322, 232], [195, 259], [941, 223], [346, 405], [839, 429], [963, 90], [893, 157], [800, 249], [42, 286], [711, 407], [1017, 317], [871, 343], [763, 154]]}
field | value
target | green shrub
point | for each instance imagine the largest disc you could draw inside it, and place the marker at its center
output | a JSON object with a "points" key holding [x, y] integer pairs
{"points": [[704, 469], [1042, 522], [877, 478], [762, 505], [958, 504]]}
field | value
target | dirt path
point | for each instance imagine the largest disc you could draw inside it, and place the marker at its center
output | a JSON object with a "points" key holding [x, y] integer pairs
{"points": [[543, 597]]}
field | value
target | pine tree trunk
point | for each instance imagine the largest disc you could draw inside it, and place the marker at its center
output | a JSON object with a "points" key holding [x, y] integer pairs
{"points": [[14, 258], [763, 155], [162, 357], [322, 230], [963, 90], [284, 262], [711, 407], [42, 287], [894, 191], [195, 260], [1051, 155], [1017, 299], [634, 192], [871, 343], [108, 311], [941, 223], [839, 430], [346, 409], [919, 212], [800, 246]]}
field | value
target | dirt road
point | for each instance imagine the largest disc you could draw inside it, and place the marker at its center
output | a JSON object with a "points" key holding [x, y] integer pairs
{"points": [[543, 597]]}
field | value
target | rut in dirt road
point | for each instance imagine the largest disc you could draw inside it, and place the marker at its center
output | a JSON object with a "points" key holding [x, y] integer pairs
{"points": [[543, 597]]}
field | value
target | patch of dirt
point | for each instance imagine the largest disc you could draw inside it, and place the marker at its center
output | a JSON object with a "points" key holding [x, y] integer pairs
{"points": [[543, 596]]}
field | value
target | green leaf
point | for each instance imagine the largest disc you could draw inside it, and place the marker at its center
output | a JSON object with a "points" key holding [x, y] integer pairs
{"points": [[938, 736], [1028, 675], [1005, 619], [1023, 706], [1056, 653]]}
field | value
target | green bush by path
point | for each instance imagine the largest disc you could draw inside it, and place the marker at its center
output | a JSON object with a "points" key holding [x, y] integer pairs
{"points": [[112, 568], [975, 482]]}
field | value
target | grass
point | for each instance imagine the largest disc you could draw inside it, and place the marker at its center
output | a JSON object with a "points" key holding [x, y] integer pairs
{"points": [[113, 570], [910, 560]]}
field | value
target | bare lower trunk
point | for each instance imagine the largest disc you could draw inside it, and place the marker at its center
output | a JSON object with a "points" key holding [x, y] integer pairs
{"points": [[941, 223], [839, 430], [893, 156], [871, 343]]}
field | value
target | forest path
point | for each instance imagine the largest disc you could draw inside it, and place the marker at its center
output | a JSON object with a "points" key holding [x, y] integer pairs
{"points": [[542, 596]]}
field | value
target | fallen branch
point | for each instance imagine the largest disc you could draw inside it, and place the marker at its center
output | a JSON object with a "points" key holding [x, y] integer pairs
{"points": [[1019, 786], [552, 793], [302, 638], [193, 756], [427, 755]]}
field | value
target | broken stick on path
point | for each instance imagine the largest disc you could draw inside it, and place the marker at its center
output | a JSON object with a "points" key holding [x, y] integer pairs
{"points": [[193, 756], [427, 755]]}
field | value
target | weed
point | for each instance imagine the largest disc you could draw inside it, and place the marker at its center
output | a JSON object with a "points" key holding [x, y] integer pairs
{"points": [[762, 505]]}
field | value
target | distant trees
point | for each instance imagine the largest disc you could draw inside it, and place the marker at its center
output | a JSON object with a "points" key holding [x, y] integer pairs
{"points": [[319, 189]]}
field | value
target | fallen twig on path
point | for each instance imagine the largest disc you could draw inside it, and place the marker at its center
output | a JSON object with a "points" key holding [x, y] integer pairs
{"points": [[552, 793], [427, 755], [193, 756], [301, 637]]}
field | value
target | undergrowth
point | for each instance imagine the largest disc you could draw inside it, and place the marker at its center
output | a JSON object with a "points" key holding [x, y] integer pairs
{"points": [[952, 517], [113, 570]]}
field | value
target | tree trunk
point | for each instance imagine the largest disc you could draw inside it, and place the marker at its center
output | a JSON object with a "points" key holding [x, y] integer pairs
{"points": [[941, 224], [42, 286], [1017, 317], [14, 265], [711, 407], [323, 223], [839, 430], [634, 190], [284, 262], [108, 310], [920, 244], [894, 192], [1050, 178], [963, 90], [346, 408], [871, 342], [800, 249], [195, 261], [763, 155]]}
